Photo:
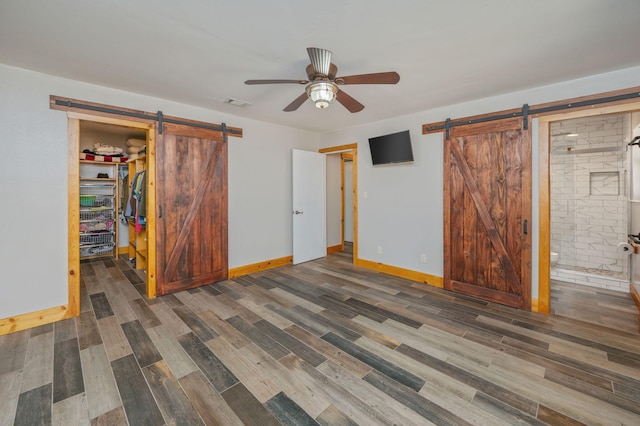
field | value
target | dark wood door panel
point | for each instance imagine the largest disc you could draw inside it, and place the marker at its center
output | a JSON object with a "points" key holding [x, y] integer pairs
{"points": [[487, 182], [192, 213]]}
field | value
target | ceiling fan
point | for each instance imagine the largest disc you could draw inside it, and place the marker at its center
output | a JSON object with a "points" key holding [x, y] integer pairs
{"points": [[322, 85]]}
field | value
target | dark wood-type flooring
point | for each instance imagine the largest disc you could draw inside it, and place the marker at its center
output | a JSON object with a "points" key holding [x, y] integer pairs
{"points": [[320, 343]]}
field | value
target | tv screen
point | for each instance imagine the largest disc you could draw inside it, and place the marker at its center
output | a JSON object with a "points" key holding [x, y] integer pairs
{"points": [[393, 148]]}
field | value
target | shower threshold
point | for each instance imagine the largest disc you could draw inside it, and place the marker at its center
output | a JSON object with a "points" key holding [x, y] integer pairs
{"points": [[592, 277]]}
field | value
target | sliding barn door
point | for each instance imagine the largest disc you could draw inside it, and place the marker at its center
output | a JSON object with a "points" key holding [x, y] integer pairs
{"points": [[487, 217], [191, 213]]}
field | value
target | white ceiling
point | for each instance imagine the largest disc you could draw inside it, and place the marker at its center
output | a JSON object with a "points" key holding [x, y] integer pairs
{"points": [[200, 52]]}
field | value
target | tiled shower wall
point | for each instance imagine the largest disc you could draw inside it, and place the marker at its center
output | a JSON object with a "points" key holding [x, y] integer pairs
{"points": [[589, 201]]}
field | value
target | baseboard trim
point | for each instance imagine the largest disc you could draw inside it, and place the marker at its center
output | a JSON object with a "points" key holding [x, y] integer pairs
{"points": [[260, 266], [409, 274], [33, 319], [334, 249], [123, 250]]}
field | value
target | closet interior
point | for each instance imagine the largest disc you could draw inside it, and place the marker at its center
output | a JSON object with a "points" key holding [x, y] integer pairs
{"points": [[111, 220]]}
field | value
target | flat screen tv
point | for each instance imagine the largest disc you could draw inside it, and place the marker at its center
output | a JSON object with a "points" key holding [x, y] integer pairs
{"points": [[393, 148]]}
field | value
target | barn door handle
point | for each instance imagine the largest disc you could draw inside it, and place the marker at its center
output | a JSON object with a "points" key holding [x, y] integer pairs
{"points": [[525, 227], [159, 211]]}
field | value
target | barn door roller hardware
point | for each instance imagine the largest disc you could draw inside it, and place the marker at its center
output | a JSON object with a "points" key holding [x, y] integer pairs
{"points": [[526, 111], [158, 117]]}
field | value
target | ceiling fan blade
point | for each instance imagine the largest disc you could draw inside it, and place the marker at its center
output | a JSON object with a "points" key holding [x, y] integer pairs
{"points": [[391, 77], [320, 60], [275, 81], [296, 103], [348, 102]]}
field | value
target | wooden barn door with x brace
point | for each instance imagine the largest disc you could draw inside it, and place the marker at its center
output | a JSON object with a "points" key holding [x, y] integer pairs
{"points": [[487, 212]]}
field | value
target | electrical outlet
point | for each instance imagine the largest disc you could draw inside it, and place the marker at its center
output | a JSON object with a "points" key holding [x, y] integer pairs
{"points": [[379, 249], [365, 194], [423, 258]]}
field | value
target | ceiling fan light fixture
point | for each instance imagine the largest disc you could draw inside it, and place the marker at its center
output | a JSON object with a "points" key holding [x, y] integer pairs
{"points": [[322, 93]]}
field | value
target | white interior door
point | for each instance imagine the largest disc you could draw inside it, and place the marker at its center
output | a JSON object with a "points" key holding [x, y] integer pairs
{"points": [[309, 206]]}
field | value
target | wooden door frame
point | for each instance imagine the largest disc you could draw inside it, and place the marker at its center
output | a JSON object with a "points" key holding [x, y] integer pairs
{"points": [[344, 158], [73, 148], [352, 151]]}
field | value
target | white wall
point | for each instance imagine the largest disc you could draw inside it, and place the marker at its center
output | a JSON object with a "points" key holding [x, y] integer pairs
{"points": [[33, 184], [403, 209]]}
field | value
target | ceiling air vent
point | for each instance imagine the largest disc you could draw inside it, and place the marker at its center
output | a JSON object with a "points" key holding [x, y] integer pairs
{"points": [[236, 102]]}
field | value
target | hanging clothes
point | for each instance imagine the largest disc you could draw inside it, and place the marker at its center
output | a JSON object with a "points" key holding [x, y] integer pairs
{"points": [[136, 205]]}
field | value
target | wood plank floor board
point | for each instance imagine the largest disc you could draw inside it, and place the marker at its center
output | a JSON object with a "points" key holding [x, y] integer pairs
{"points": [[172, 401], [413, 400], [247, 407], [41, 329], [137, 399], [498, 392], [324, 341], [504, 411], [250, 374], [552, 417], [240, 310], [144, 313], [294, 300], [113, 338], [355, 324], [356, 398], [298, 319], [385, 313], [339, 357], [169, 319], [586, 372], [70, 411], [231, 289], [307, 395], [67, 370], [431, 341], [606, 395], [288, 412], [290, 342], [334, 417], [121, 308], [265, 313], [38, 365], [100, 386], [272, 347], [195, 323], [224, 329], [34, 407], [88, 333], [218, 374], [101, 306], [329, 321], [133, 277], [171, 351], [143, 348], [65, 330], [115, 417], [208, 402], [10, 392], [378, 363]]}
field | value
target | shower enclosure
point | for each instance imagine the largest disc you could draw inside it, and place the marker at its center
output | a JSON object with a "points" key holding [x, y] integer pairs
{"points": [[591, 183]]}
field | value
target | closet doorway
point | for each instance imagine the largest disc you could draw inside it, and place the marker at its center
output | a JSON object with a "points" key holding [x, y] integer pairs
{"points": [[79, 124], [349, 197]]}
